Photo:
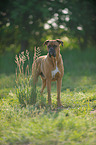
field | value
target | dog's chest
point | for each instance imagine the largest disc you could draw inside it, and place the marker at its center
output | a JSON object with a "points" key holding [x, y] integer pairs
{"points": [[55, 71]]}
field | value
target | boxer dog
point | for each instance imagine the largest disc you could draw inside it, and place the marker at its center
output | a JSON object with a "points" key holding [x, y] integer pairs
{"points": [[50, 68]]}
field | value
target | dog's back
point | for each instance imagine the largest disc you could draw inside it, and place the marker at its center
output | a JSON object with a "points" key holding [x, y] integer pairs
{"points": [[37, 67]]}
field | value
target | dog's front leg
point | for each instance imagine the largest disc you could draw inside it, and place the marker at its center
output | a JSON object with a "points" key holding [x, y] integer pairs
{"points": [[48, 83], [59, 83]]}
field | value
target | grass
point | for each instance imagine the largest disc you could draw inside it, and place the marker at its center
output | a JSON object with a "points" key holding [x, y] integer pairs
{"points": [[39, 124]]}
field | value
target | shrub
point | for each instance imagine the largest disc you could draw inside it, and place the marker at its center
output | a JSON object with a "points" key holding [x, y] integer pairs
{"points": [[25, 90]]}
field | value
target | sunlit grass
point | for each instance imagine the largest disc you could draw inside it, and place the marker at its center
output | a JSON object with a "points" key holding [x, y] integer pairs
{"points": [[73, 124]]}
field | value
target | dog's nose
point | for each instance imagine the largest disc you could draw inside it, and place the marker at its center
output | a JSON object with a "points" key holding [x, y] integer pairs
{"points": [[52, 52], [51, 49]]}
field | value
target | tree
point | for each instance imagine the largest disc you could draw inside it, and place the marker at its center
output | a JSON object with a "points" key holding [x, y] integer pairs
{"points": [[82, 21], [22, 22], [27, 19], [77, 19]]}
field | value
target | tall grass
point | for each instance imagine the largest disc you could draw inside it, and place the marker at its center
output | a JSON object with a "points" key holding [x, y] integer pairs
{"points": [[25, 90]]}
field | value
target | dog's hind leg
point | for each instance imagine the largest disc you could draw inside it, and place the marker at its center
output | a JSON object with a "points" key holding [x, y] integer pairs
{"points": [[35, 75], [35, 72], [43, 85]]}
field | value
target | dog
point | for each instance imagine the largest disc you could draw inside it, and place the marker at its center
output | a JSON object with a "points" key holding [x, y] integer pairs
{"points": [[50, 68]]}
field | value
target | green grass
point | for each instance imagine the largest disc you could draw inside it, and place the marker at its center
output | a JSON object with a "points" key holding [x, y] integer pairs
{"points": [[73, 124]]}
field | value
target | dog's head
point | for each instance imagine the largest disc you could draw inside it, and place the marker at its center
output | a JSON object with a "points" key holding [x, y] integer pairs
{"points": [[53, 47]]}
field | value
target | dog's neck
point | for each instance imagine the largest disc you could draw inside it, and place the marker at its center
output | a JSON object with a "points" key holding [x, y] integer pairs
{"points": [[53, 60]]}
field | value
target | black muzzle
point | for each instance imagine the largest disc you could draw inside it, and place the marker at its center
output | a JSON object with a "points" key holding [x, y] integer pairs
{"points": [[52, 52]]}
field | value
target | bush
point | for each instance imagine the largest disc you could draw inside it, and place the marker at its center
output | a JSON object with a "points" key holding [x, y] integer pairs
{"points": [[25, 91]]}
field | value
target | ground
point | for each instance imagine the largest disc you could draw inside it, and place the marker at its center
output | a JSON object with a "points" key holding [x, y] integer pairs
{"points": [[39, 124]]}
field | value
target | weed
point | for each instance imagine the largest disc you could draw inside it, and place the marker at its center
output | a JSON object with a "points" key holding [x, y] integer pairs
{"points": [[25, 89]]}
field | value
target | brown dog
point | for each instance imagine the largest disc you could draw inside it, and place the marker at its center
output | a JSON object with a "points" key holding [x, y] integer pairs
{"points": [[50, 68]]}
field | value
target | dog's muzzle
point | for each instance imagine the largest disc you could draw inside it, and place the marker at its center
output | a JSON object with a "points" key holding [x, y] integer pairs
{"points": [[52, 52]]}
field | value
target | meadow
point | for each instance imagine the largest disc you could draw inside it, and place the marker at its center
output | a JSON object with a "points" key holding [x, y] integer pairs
{"points": [[39, 124]]}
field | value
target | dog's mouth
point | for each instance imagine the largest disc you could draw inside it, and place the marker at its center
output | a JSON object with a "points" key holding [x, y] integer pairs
{"points": [[52, 52]]}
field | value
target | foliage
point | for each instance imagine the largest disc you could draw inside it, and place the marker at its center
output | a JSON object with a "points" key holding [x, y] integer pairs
{"points": [[82, 21]]}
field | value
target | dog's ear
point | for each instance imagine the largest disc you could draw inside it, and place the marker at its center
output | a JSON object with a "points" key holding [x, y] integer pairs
{"points": [[46, 42], [59, 41]]}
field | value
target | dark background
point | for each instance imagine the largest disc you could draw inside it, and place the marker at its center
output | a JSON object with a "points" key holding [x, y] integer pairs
{"points": [[27, 24]]}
